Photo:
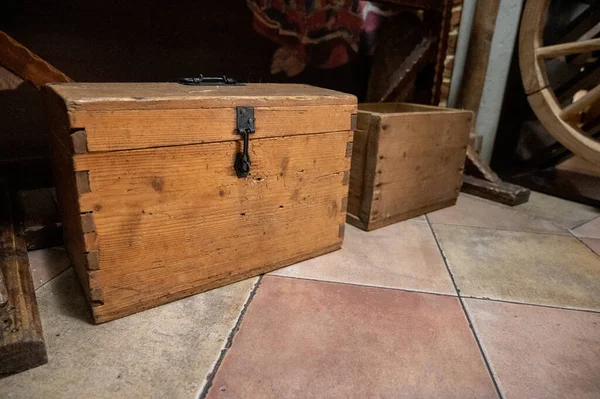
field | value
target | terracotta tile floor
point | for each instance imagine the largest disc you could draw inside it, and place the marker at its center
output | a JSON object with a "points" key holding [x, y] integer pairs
{"points": [[474, 301]]}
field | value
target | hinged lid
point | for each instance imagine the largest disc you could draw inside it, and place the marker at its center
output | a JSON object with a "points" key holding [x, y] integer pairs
{"points": [[121, 116]]}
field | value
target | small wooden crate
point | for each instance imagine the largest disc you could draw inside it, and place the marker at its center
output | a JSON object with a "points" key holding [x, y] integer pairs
{"points": [[154, 207], [407, 160]]}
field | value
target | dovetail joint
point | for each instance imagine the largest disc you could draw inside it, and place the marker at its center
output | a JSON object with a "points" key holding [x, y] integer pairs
{"points": [[344, 207], [346, 179], [79, 141], [349, 149], [82, 180], [87, 222], [97, 296], [92, 260]]}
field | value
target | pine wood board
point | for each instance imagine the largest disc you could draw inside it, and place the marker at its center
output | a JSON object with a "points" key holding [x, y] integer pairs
{"points": [[129, 129], [137, 96], [414, 162], [28, 66], [424, 167], [153, 204], [21, 338], [409, 214], [164, 226], [484, 23]]}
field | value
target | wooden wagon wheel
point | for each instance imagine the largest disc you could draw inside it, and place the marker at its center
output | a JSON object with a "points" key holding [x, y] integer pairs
{"points": [[562, 123]]}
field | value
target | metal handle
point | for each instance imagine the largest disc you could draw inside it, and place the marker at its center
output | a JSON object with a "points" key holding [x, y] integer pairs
{"points": [[244, 126], [209, 81]]}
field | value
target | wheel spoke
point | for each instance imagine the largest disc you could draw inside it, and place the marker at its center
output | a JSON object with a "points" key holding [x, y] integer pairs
{"points": [[558, 50], [581, 105]]}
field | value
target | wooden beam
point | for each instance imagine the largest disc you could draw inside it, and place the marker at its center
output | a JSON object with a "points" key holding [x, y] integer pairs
{"points": [[505, 193], [476, 167], [482, 181], [22, 62], [478, 54], [3, 291], [21, 340]]}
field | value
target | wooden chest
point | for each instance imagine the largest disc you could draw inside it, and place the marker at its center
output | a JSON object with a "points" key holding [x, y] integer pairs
{"points": [[407, 160], [154, 198]]}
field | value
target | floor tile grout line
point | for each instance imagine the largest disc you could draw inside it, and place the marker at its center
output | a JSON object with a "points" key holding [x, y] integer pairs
{"points": [[466, 313], [581, 224], [55, 277], [212, 374], [580, 239], [530, 304], [364, 285], [507, 230]]}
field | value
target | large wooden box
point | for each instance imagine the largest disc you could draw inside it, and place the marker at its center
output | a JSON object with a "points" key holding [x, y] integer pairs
{"points": [[152, 207], [407, 160]]}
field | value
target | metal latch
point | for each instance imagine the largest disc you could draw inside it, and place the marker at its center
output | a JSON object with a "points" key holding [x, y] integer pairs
{"points": [[209, 81], [245, 126]]}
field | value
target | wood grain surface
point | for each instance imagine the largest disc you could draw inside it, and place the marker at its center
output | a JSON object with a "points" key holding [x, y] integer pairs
{"points": [[137, 96], [23, 63], [121, 130], [21, 339], [174, 218], [152, 204], [414, 162]]}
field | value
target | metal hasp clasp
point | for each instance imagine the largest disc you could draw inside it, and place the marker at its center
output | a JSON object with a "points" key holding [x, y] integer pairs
{"points": [[209, 81], [245, 126]]}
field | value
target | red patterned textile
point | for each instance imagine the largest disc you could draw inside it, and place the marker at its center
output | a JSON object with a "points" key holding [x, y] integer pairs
{"points": [[320, 33]]}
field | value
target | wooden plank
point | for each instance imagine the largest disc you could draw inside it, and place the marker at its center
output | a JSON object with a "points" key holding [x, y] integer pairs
{"points": [[357, 169], [422, 168], [475, 167], [410, 161], [408, 214], [505, 193], [3, 291], [444, 31], [484, 23], [138, 96], [21, 339], [22, 62], [66, 190], [109, 315], [122, 130], [176, 219]]}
